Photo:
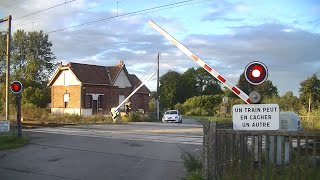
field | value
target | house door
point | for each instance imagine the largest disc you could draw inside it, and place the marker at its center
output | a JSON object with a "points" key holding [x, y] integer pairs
{"points": [[121, 99], [94, 107]]}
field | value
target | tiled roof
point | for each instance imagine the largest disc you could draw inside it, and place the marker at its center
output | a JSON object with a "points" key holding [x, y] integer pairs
{"points": [[136, 81], [100, 75], [90, 74], [114, 71]]}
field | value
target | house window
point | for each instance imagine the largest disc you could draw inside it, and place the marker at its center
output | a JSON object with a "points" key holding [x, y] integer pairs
{"points": [[100, 98], [89, 101], [66, 98]]}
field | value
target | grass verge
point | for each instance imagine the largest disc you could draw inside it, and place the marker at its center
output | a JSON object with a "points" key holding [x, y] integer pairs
{"points": [[12, 142], [193, 165], [210, 118]]}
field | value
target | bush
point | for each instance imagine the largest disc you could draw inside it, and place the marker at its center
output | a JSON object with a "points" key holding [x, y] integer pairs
{"points": [[200, 105], [198, 112], [193, 166], [31, 111], [180, 107], [134, 117], [195, 175]]}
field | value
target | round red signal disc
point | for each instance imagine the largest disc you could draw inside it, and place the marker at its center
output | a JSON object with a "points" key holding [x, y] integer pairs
{"points": [[16, 87], [256, 73]]}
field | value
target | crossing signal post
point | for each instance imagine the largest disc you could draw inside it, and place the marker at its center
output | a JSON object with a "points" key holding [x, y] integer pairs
{"points": [[16, 88]]}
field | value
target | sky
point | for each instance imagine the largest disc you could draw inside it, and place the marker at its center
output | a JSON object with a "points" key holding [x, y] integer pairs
{"points": [[226, 34]]}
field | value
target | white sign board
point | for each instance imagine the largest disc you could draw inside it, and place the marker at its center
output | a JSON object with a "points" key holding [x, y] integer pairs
{"points": [[4, 126], [256, 117]]}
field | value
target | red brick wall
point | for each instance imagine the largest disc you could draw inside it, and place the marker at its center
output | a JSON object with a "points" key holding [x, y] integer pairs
{"points": [[140, 101], [57, 93], [109, 99]]}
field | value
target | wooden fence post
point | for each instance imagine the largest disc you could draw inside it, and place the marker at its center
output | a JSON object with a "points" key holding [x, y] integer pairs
{"points": [[209, 149]]}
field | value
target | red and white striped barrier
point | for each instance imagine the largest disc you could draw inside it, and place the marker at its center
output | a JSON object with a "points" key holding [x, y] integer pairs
{"points": [[214, 73]]}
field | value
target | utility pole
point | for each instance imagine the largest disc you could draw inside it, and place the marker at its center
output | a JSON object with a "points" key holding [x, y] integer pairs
{"points": [[9, 18], [309, 109], [158, 91]]}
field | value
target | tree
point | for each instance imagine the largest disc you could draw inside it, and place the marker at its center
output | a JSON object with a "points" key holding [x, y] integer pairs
{"points": [[266, 89], [206, 83], [32, 64], [310, 88], [288, 102], [200, 82], [170, 89], [189, 83]]}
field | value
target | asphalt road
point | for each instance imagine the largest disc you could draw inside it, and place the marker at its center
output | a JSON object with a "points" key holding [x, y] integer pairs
{"points": [[143, 151]]}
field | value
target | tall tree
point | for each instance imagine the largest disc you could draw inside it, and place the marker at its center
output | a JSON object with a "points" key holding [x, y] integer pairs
{"points": [[189, 83], [310, 89], [200, 82], [32, 64], [266, 89], [170, 89], [206, 83]]}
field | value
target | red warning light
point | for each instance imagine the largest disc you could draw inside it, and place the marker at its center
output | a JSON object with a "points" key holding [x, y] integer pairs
{"points": [[256, 73], [16, 87]]}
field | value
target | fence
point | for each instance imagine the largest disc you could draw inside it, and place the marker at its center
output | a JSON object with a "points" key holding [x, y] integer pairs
{"points": [[231, 154]]}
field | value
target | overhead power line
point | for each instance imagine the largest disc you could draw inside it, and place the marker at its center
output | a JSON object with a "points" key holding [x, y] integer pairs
{"points": [[177, 4], [66, 2]]}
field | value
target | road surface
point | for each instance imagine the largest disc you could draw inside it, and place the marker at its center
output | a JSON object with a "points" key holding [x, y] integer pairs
{"points": [[136, 151]]}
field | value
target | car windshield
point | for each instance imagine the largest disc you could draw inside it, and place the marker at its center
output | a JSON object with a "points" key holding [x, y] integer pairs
{"points": [[171, 112]]}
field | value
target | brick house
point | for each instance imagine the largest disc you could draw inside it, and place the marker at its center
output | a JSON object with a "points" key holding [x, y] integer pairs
{"points": [[86, 90]]}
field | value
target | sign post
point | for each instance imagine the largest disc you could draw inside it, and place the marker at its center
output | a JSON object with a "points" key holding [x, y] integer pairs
{"points": [[16, 88]]}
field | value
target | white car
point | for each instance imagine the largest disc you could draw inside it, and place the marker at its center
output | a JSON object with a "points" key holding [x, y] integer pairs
{"points": [[172, 116]]}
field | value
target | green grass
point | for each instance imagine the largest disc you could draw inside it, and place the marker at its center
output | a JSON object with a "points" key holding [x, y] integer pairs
{"points": [[193, 165], [11, 142], [211, 118]]}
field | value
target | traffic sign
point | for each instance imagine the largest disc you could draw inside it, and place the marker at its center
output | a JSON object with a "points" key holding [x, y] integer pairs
{"points": [[16, 87], [4, 126], [256, 117], [256, 73], [225, 99]]}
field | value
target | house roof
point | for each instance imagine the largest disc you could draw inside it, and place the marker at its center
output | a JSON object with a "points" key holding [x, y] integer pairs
{"points": [[114, 71], [90, 74], [136, 81], [99, 75]]}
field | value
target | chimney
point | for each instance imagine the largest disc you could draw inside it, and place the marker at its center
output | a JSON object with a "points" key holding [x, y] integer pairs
{"points": [[121, 63]]}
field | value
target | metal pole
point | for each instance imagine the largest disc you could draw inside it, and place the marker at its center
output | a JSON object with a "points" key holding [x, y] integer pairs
{"points": [[158, 95], [18, 104], [309, 108], [8, 67]]}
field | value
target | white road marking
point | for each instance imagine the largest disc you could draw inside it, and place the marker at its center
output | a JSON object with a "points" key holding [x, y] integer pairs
{"points": [[127, 135]]}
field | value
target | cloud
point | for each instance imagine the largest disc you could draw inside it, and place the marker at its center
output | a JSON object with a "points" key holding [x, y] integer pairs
{"points": [[291, 54], [290, 57]]}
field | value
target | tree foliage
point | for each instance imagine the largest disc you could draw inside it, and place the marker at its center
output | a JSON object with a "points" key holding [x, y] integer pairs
{"points": [[200, 105], [203, 82], [170, 89], [31, 64], [287, 102], [177, 88], [310, 88], [266, 89]]}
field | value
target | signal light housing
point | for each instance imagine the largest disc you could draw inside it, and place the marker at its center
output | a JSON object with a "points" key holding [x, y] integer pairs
{"points": [[16, 87], [256, 73]]}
